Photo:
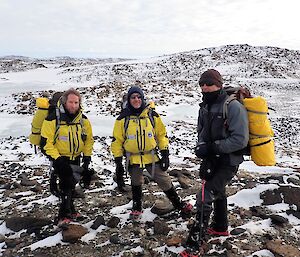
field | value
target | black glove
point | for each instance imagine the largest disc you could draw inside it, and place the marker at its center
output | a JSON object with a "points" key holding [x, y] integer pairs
{"points": [[86, 178], [207, 169], [87, 173], [204, 149], [86, 162], [62, 166], [53, 185], [164, 161], [119, 173]]}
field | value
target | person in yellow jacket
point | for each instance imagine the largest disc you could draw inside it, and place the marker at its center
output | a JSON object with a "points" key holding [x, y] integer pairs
{"points": [[138, 134], [66, 137]]}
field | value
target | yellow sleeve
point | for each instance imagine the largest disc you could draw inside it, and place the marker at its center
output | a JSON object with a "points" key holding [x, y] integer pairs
{"points": [[48, 132], [161, 134], [118, 139], [89, 142]]}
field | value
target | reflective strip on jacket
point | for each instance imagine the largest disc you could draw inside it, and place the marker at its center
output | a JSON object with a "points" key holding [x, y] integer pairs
{"points": [[69, 141], [140, 138]]}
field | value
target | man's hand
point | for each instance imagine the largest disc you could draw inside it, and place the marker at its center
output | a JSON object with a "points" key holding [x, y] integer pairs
{"points": [[86, 162], [164, 161], [206, 169], [204, 149], [86, 178]]}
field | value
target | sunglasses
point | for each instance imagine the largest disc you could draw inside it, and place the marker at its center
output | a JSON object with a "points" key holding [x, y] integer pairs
{"points": [[206, 83], [135, 96]]}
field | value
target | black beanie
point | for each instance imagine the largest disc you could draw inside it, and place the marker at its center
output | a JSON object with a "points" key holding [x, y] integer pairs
{"points": [[132, 90], [211, 77]]}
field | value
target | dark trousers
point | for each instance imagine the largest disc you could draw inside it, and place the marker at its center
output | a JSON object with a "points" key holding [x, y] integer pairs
{"points": [[67, 187], [215, 197]]}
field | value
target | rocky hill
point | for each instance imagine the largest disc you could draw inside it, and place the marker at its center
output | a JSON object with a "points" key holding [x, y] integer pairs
{"points": [[264, 207]]}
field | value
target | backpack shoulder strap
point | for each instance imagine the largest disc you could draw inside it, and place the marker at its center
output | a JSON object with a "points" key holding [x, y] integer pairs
{"points": [[126, 123], [151, 116], [57, 121], [226, 103]]}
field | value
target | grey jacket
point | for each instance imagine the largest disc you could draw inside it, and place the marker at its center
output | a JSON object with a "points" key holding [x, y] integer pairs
{"points": [[229, 135]]}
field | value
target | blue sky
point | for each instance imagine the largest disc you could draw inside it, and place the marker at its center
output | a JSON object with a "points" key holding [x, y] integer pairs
{"points": [[141, 28]]}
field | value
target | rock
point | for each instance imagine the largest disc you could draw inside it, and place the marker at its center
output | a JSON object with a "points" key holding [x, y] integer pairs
{"points": [[38, 172], [26, 98], [174, 172], [294, 181], [278, 220], [28, 182], [37, 189], [258, 212], [5, 186], [11, 243], [293, 212], [290, 196], [139, 231], [2, 238], [161, 207], [114, 239], [102, 202], [149, 244], [73, 233], [237, 231], [18, 223], [161, 228], [279, 248], [271, 197], [245, 213], [180, 172], [113, 222], [184, 182], [174, 241], [98, 222]]}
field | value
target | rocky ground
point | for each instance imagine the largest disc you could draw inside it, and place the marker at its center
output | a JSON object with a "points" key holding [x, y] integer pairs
{"points": [[28, 211]]}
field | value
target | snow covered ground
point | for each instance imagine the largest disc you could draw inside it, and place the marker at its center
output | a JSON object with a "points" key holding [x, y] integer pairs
{"points": [[249, 190]]}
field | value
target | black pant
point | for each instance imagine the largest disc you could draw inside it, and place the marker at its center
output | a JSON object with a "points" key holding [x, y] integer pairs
{"points": [[215, 196], [67, 186]]}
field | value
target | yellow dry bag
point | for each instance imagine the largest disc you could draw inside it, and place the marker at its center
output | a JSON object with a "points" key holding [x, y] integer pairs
{"points": [[38, 119], [260, 132]]}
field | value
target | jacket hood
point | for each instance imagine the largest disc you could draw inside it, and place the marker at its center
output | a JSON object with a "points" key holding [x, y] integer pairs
{"points": [[131, 91]]}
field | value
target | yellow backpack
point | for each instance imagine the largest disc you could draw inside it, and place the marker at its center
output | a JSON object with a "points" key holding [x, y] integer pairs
{"points": [[43, 107], [261, 143]]}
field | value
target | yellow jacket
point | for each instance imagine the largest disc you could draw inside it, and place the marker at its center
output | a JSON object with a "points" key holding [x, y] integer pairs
{"points": [[139, 138], [69, 141]]}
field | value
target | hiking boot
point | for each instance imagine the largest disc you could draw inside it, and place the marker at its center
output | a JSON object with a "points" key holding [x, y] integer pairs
{"points": [[63, 221], [76, 216], [213, 232], [135, 215], [187, 253], [186, 211]]}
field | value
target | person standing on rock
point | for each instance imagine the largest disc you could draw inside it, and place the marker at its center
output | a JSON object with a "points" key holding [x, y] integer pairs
{"points": [[67, 139], [140, 135], [219, 146]]}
